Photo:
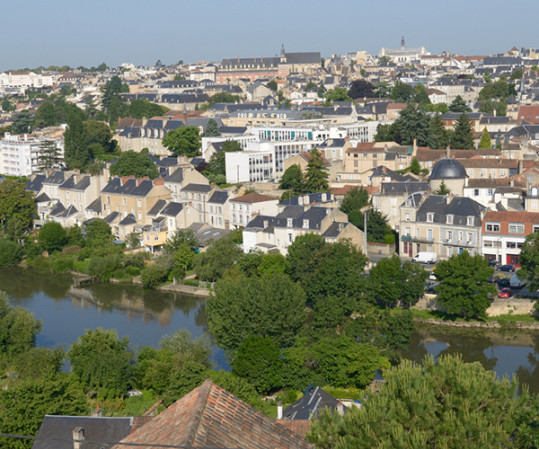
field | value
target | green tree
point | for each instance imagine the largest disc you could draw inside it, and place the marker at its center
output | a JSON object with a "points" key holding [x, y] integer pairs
{"points": [[458, 105], [102, 362], [293, 179], [223, 97], [382, 90], [415, 167], [385, 133], [442, 189], [272, 85], [185, 140], [485, 142], [113, 104], [98, 133], [487, 76], [219, 257], [517, 74], [267, 305], [17, 208], [178, 239], [131, 163], [421, 96], [23, 406], [316, 177], [141, 107], [529, 259], [6, 105], [413, 123], [258, 361], [22, 122], [393, 283], [462, 137], [463, 288], [49, 155], [10, 253], [439, 137], [355, 199], [447, 404], [337, 94], [76, 152], [402, 93], [98, 233], [52, 236], [212, 129]]}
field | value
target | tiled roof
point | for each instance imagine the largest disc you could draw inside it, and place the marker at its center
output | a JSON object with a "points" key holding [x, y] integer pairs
{"points": [[199, 188], [210, 416], [310, 405]]}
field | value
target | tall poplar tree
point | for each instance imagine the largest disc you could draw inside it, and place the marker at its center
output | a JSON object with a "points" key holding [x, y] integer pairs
{"points": [[485, 142]]}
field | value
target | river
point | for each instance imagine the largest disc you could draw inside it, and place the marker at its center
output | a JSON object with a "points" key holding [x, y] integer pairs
{"points": [[145, 316]]}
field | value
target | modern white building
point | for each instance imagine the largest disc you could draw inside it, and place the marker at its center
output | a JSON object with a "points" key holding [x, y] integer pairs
{"points": [[19, 154]]}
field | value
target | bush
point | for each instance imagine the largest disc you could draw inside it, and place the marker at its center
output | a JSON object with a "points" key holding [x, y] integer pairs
{"points": [[154, 275], [191, 282], [52, 236], [60, 263], [104, 266], [10, 253]]}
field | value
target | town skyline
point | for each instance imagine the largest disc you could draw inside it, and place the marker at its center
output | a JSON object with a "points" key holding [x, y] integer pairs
{"points": [[87, 35]]}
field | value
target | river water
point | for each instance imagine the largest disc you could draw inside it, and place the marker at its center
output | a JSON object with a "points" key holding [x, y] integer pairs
{"points": [[145, 316]]}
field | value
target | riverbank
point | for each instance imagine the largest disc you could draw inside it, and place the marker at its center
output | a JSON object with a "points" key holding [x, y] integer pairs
{"points": [[199, 292], [480, 324]]}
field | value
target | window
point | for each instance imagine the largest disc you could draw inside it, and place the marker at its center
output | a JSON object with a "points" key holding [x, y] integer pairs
{"points": [[493, 227], [289, 222], [449, 236], [490, 191], [407, 216], [470, 238], [476, 192], [140, 215], [449, 219], [139, 202], [511, 245], [124, 201], [488, 243], [430, 217], [469, 221], [429, 234], [516, 228], [535, 227]]}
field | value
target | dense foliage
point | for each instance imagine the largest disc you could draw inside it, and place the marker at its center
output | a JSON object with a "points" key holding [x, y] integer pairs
{"points": [[131, 163]]}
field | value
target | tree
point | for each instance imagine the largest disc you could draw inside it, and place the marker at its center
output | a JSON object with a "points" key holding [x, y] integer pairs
{"points": [[355, 199], [267, 305], [185, 140], [179, 238], [141, 107], [337, 94], [99, 136], [131, 163], [463, 288], [517, 74], [98, 233], [487, 76], [485, 142], [103, 362], [272, 85], [258, 361], [212, 129], [415, 167], [316, 179], [402, 93], [442, 189], [6, 105], [458, 105], [10, 253], [529, 259], [293, 179], [421, 96], [438, 135], [462, 137], [113, 104], [223, 97], [361, 89], [447, 404], [394, 283], [385, 133], [382, 90], [220, 256], [413, 123], [49, 155], [76, 152], [22, 122], [17, 208], [52, 236]]}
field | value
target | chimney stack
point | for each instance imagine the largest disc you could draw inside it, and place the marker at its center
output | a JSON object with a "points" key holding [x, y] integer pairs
{"points": [[340, 408], [279, 410], [78, 437], [448, 152]]}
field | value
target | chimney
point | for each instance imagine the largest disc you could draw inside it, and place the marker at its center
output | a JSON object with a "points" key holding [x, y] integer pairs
{"points": [[78, 437], [124, 179], [97, 412], [159, 181], [520, 166], [448, 198], [448, 152], [279, 410], [340, 408], [414, 150]]}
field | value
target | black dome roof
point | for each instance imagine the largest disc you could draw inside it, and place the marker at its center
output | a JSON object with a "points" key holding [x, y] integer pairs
{"points": [[448, 169]]}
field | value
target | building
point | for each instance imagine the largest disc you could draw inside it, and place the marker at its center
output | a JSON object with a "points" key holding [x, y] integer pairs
{"points": [[503, 234], [243, 209], [403, 55]]}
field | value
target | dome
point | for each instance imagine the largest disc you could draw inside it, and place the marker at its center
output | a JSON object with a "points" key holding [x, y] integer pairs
{"points": [[448, 169]]}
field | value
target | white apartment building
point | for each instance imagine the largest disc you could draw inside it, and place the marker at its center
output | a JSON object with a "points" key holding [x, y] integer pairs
{"points": [[19, 154]]}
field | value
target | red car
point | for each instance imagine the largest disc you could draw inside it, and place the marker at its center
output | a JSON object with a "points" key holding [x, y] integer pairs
{"points": [[504, 293]]}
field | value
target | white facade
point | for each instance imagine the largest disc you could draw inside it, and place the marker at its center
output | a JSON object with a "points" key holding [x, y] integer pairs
{"points": [[206, 141], [18, 155]]}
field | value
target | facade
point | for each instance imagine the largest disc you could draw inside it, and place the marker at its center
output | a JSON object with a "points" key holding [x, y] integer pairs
{"points": [[403, 55], [503, 234], [244, 208]]}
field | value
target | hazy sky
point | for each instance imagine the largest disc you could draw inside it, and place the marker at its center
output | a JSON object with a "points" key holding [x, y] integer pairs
{"points": [[79, 32]]}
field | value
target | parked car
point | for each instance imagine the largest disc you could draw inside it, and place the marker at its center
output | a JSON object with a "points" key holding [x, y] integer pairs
{"points": [[509, 268], [505, 293], [492, 263], [425, 257], [516, 282], [503, 282]]}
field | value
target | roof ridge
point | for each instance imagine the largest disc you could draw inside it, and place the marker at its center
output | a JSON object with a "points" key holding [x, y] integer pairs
{"points": [[206, 385]]}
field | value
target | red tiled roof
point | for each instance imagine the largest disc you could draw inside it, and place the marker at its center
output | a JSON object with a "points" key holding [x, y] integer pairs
{"points": [[529, 113], [210, 416], [253, 198]]}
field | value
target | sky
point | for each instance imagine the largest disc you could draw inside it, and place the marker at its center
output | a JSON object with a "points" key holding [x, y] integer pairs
{"points": [[74, 32]]}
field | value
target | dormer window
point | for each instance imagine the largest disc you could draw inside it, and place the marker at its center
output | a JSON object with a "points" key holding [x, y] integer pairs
{"points": [[469, 221], [430, 217], [449, 219], [306, 224], [289, 222]]}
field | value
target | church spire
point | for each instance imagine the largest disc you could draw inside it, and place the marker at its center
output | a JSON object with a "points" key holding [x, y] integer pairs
{"points": [[402, 43]]}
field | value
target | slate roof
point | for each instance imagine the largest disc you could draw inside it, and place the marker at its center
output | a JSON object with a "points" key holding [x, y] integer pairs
{"points": [[42, 198], [172, 209], [335, 229], [310, 405], [199, 188], [210, 416], [459, 207], [308, 198], [129, 219], [56, 432], [95, 205], [303, 58], [384, 172], [56, 177], [57, 209], [71, 210], [81, 185], [159, 204], [219, 197], [111, 217], [389, 188], [176, 176], [205, 234], [130, 187], [314, 215], [36, 184], [232, 130]]}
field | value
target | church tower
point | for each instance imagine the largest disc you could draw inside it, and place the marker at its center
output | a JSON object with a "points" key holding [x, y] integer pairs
{"points": [[402, 43]]}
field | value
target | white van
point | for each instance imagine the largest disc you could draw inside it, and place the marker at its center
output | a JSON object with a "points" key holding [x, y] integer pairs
{"points": [[425, 257]]}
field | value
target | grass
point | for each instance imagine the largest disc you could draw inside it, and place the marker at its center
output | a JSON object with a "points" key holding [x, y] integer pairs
{"points": [[511, 319], [502, 319]]}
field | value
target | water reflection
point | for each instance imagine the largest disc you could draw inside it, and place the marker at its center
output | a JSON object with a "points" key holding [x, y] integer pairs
{"points": [[505, 353]]}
